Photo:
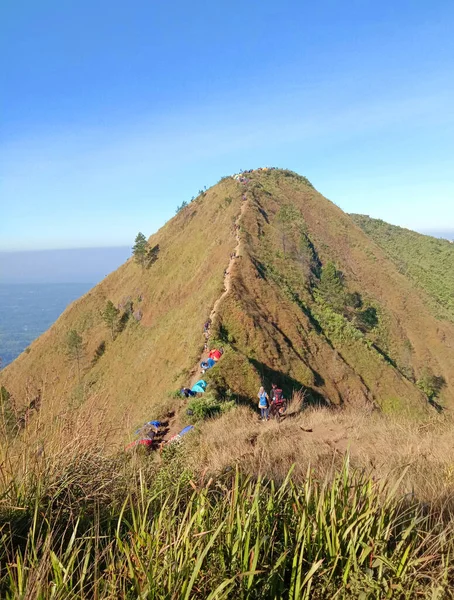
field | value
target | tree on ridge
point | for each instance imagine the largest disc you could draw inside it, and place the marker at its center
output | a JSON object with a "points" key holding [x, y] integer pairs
{"points": [[140, 249], [75, 348], [110, 317]]}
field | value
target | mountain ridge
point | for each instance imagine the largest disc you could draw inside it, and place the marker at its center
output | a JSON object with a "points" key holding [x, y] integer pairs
{"points": [[313, 302]]}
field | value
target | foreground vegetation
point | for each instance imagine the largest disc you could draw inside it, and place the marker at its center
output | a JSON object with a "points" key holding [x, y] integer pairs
{"points": [[79, 522], [328, 503]]}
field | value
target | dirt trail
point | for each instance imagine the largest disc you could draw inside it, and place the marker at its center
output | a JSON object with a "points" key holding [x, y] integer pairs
{"points": [[175, 422], [233, 259], [195, 373]]}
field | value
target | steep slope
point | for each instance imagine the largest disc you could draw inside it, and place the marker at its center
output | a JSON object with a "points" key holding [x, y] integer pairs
{"points": [[323, 349], [311, 302], [427, 261], [149, 357]]}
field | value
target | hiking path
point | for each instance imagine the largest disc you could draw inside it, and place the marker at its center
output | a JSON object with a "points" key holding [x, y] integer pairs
{"points": [[233, 265]]}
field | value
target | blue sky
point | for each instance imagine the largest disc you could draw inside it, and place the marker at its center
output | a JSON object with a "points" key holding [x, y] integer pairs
{"points": [[113, 113]]}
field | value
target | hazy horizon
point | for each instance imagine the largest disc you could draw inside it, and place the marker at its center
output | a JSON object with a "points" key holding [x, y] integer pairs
{"points": [[82, 265], [68, 265]]}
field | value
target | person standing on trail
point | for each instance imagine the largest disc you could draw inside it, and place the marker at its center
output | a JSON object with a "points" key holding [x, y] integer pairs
{"points": [[277, 400], [263, 403], [277, 395]]}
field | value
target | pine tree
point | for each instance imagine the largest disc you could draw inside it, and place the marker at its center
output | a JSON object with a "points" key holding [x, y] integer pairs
{"points": [[140, 249], [75, 348], [110, 316], [181, 206]]}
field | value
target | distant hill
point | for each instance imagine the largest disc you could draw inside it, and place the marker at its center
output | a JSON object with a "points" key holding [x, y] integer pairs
{"points": [[316, 301], [76, 265], [427, 261]]}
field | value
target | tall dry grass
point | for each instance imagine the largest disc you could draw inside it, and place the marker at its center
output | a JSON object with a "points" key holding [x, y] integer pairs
{"points": [[79, 518], [319, 438]]}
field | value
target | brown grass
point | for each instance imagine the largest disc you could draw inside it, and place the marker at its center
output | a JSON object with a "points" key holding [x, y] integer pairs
{"points": [[321, 438], [151, 358], [266, 333]]}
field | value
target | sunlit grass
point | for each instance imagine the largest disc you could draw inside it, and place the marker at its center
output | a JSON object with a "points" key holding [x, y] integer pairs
{"points": [[117, 528]]}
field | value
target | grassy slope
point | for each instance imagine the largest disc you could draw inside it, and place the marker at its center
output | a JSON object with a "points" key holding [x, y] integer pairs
{"points": [[270, 324], [273, 334], [427, 261], [71, 499], [151, 357]]}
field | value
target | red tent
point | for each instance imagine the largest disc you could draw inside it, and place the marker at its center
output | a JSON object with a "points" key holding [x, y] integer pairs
{"points": [[215, 354]]}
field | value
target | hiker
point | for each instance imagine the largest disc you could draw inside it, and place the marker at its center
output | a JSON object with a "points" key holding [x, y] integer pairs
{"points": [[207, 326], [186, 392], [277, 401], [277, 395], [263, 403]]}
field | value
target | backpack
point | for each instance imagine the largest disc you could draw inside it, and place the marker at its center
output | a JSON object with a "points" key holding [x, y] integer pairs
{"points": [[278, 396]]}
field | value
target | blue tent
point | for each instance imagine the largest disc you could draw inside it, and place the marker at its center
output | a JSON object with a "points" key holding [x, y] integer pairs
{"points": [[199, 387], [208, 364], [186, 429], [177, 437]]}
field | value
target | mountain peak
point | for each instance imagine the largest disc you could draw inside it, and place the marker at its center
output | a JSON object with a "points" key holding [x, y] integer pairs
{"points": [[298, 293]]}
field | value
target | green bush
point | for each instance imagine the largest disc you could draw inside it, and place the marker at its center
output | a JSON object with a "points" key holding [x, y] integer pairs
{"points": [[430, 384], [335, 324], [367, 319], [208, 406]]}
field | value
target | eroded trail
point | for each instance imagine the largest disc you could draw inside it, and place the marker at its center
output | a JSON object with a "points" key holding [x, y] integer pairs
{"points": [[176, 422], [233, 264]]}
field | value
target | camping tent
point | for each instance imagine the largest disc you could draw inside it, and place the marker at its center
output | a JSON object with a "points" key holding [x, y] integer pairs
{"points": [[151, 424], [186, 430], [177, 437], [208, 364], [199, 387], [215, 354]]}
